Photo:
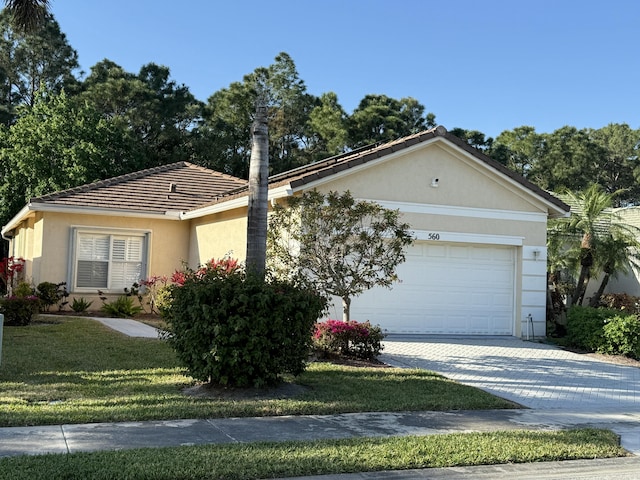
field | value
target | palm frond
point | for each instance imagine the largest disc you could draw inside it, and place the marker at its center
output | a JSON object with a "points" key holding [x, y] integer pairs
{"points": [[27, 15]]}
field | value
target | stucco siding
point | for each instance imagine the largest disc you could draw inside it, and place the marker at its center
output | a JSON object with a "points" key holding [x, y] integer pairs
{"points": [[169, 242], [217, 235], [22, 246], [407, 177]]}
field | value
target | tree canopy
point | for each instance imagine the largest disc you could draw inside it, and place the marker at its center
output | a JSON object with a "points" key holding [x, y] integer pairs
{"points": [[340, 245], [58, 144], [39, 58], [160, 121], [593, 240]]}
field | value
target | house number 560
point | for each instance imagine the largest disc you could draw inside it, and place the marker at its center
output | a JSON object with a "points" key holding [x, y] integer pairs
{"points": [[433, 236]]}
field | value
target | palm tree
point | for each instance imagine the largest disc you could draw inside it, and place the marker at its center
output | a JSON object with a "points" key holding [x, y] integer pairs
{"points": [[617, 253], [258, 192], [596, 235], [28, 15], [590, 219]]}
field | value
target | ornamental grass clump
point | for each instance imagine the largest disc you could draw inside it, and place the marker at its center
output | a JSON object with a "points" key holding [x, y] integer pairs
{"points": [[233, 328], [350, 339]]}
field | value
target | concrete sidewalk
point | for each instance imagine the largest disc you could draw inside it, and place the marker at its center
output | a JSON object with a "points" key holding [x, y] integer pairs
{"points": [[172, 433], [605, 469]]}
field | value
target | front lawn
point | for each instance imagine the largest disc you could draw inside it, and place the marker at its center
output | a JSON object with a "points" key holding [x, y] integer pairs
{"points": [[75, 370], [286, 459]]}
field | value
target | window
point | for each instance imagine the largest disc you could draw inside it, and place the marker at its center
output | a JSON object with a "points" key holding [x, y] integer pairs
{"points": [[109, 261]]}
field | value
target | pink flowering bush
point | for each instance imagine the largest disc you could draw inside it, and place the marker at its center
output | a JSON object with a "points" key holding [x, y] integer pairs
{"points": [[234, 328], [19, 310], [351, 339], [11, 271], [223, 266]]}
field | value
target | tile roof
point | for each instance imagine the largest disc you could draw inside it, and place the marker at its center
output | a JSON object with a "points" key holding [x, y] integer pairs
{"points": [[309, 173], [197, 187], [178, 186], [330, 166]]}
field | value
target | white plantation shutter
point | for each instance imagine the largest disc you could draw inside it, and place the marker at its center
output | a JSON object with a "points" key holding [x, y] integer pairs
{"points": [[126, 256], [112, 262], [93, 261]]}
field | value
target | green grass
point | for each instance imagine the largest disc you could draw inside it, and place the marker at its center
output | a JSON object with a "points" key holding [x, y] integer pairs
{"points": [[285, 459], [78, 371], [74, 370]]}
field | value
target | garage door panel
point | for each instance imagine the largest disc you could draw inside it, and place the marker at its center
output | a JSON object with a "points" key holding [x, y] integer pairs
{"points": [[458, 253], [502, 301], [447, 289], [431, 250], [480, 300]]}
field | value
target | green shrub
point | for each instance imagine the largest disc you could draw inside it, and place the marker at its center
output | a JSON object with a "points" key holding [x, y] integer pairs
{"points": [[52, 294], [80, 305], [23, 290], [237, 329], [622, 336], [351, 339], [585, 327], [18, 311], [122, 307]]}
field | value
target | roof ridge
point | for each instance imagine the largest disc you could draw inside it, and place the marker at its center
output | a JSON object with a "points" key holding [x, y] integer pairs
{"points": [[216, 172], [336, 160], [372, 147]]}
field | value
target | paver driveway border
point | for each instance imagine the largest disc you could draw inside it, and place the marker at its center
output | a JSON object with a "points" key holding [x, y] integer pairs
{"points": [[530, 373]]}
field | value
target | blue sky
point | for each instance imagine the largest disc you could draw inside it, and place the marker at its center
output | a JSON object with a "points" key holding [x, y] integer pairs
{"points": [[489, 65]]}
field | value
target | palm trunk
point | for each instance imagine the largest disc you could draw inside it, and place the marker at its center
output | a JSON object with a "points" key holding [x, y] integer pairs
{"points": [[609, 269], [581, 286], [595, 300], [258, 194], [586, 261]]}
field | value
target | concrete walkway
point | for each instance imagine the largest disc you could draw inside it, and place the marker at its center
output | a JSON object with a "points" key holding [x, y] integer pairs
{"points": [[561, 389], [129, 327]]}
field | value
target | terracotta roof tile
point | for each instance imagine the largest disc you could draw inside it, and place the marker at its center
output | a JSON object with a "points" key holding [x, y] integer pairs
{"points": [[178, 186]]}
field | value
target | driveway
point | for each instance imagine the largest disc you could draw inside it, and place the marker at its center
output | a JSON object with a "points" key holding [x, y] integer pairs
{"points": [[562, 389], [531, 374]]}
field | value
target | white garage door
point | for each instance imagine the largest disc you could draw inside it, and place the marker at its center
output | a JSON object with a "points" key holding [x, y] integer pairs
{"points": [[446, 288]]}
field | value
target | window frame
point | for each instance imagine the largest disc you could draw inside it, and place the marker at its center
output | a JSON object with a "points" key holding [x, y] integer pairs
{"points": [[78, 231]]}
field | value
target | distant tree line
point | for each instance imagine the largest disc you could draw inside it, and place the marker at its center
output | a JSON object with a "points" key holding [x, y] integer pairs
{"points": [[60, 128]]}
